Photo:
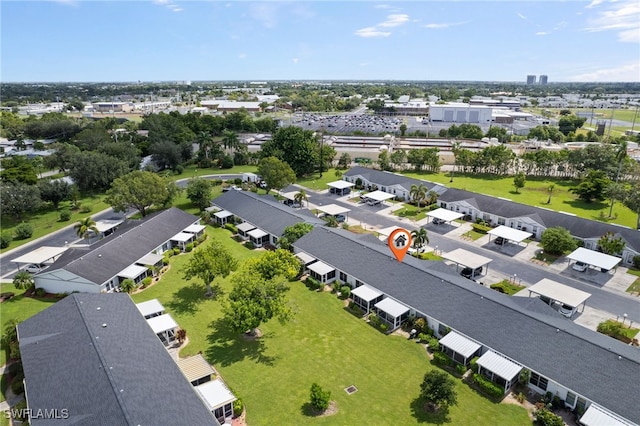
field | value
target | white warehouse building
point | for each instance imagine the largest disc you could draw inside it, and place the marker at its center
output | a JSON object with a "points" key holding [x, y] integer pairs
{"points": [[460, 113]]}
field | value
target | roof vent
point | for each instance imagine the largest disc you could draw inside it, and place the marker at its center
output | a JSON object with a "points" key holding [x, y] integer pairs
{"points": [[100, 255], [557, 330], [98, 308], [104, 325]]}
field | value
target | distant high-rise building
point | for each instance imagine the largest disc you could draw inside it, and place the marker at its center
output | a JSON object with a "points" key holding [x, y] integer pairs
{"points": [[531, 79], [543, 79]]}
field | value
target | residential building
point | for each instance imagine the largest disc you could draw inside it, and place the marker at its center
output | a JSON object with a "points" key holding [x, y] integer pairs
{"points": [[589, 371], [543, 79], [391, 183], [261, 219], [129, 253], [498, 211], [92, 359], [531, 79]]}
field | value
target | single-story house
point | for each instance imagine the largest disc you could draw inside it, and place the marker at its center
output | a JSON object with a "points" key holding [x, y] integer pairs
{"points": [[498, 211], [583, 367], [125, 254], [392, 183], [266, 218], [94, 360]]}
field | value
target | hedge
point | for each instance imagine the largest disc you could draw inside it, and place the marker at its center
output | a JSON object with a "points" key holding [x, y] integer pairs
{"points": [[231, 227], [483, 229], [487, 386], [442, 359]]}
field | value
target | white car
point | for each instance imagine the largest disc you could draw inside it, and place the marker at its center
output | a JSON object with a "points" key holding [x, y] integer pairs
{"points": [[34, 269], [566, 310], [580, 266]]}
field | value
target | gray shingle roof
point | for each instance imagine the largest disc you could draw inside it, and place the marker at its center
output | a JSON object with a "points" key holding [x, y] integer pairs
{"points": [[135, 238], [95, 355], [577, 226], [381, 178], [265, 212], [580, 359]]}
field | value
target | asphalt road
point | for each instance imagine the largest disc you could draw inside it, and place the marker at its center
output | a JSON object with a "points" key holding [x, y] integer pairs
{"points": [[601, 298]]}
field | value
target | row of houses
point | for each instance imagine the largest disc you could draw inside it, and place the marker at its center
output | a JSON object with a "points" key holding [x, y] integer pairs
{"points": [[499, 211], [590, 372]]}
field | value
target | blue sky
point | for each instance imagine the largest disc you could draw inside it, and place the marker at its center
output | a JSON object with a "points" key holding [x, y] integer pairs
{"points": [[167, 40]]}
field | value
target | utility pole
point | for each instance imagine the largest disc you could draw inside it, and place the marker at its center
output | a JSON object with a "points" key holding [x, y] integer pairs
{"points": [[321, 146]]}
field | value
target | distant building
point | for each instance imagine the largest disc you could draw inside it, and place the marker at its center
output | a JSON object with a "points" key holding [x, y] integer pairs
{"points": [[531, 79], [460, 113], [543, 79]]}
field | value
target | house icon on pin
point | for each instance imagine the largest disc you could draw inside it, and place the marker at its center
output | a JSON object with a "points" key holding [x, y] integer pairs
{"points": [[401, 241]]}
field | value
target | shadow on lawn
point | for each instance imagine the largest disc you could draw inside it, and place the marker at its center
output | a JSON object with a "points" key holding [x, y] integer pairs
{"points": [[423, 415], [186, 299], [227, 346]]}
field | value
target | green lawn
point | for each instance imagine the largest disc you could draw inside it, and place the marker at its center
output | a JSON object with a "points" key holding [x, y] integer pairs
{"points": [[411, 212], [318, 183], [47, 220], [535, 194], [507, 287], [323, 343], [193, 170]]}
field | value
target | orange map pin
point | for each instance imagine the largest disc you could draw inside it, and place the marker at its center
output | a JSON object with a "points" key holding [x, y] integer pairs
{"points": [[399, 242]]}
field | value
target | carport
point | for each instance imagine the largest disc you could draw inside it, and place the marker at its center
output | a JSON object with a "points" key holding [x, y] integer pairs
{"points": [[509, 234], [340, 186], [444, 215], [554, 291], [334, 210], [107, 226], [376, 197], [594, 258], [385, 232], [44, 254], [467, 259], [289, 195]]}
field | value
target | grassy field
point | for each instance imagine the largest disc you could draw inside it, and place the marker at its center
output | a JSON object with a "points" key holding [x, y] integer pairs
{"points": [[534, 193], [411, 212], [323, 343], [318, 183]]}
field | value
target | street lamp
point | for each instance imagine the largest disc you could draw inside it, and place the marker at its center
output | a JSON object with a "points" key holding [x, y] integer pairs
{"points": [[624, 317]]}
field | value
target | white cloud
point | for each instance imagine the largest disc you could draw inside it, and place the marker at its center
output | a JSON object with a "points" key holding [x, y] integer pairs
{"points": [[629, 72], [266, 13], [394, 20], [364, 64], [542, 33], [371, 32], [295, 60], [383, 6], [169, 5], [435, 26], [242, 56], [622, 17], [593, 4], [521, 16]]}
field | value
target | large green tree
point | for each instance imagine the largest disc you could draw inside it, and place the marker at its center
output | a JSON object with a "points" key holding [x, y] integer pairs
{"points": [[276, 174], [54, 191], [518, 181], [199, 192], [298, 147], [557, 240], [255, 300], [293, 233], [610, 244], [19, 198], [632, 201], [95, 171], [273, 263], [592, 186], [208, 262], [438, 389], [139, 190]]}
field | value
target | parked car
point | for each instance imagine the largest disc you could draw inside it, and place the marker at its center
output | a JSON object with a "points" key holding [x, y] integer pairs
{"points": [[340, 218], [437, 221], [292, 203], [580, 266], [499, 240], [566, 310], [34, 268], [470, 273]]}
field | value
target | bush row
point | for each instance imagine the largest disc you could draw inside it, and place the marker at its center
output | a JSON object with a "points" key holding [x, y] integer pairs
{"points": [[487, 386]]}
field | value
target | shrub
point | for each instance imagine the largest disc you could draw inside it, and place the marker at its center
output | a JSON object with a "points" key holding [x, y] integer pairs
{"points": [[547, 418], [40, 292], [383, 327], [5, 240], [146, 282], [424, 337], [15, 368], [237, 181], [179, 169], [487, 386], [355, 309], [189, 248], [65, 215], [461, 369], [474, 364], [442, 359], [636, 261], [433, 343], [345, 291], [420, 324], [23, 231], [319, 398], [481, 228], [238, 407], [176, 250], [85, 209], [520, 397], [231, 227], [524, 376], [128, 285], [374, 320], [23, 280], [249, 245], [337, 285], [312, 283], [17, 385]]}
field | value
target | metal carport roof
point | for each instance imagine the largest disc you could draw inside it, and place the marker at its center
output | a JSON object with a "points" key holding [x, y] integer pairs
{"points": [[510, 234], [333, 209], [444, 214], [341, 184], [466, 258], [594, 258], [378, 196], [40, 255], [560, 292]]}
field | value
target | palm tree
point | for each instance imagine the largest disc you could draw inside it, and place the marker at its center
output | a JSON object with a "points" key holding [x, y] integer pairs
{"points": [[455, 149], [432, 197], [550, 190], [418, 193], [84, 227], [230, 140], [300, 197], [621, 154], [420, 238]]}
